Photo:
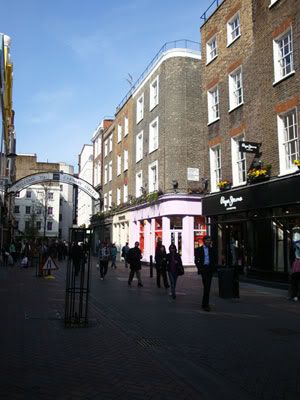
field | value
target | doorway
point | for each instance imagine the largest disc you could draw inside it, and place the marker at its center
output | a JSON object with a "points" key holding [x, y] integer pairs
{"points": [[176, 238]]}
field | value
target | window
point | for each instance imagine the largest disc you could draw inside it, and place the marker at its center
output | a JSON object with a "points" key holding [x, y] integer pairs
{"points": [[125, 193], [38, 225], [17, 209], [61, 188], [153, 176], [27, 224], [154, 93], [17, 194], [50, 195], [110, 143], [49, 225], [213, 104], [119, 133], [16, 225], [118, 196], [50, 211], [105, 174], [139, 147], [105, 201], [126, 126], [283, 55], [233, 29], [138, 183], [238, 162], [125, 160], [28, 194], [235, 89], [140, 108], [110, 199], [288, 140], [27, 209], [215, 167], [119, 164], [38, 210], [153, 135], [105, 148], [110, 171], [211, 49]]}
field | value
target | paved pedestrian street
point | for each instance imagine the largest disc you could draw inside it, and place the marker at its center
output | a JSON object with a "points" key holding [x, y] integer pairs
{"points": [[142, 344]]}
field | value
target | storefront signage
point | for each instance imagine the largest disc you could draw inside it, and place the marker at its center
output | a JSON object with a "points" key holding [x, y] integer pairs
{"points": [[193, 174], [229, 203], [249, 147], [122, 218]]}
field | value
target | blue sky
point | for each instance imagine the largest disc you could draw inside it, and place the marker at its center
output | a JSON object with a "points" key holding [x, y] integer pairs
{"points": [[71, 60]]}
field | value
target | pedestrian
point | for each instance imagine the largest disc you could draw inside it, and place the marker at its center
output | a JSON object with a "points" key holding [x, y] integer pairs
{"points": [[77, 257], [12, 251], [103, 257], [295, 258], [5, 254], [113, 255], [124, 253], [205, 264], [134, 257], [161, 264], [174, 268]]}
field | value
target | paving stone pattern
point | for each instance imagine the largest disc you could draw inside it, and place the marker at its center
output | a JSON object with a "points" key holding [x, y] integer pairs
{"points": [[143, 345]]}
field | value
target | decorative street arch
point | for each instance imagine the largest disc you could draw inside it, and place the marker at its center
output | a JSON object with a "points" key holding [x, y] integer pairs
{"points": [[58, 176]]}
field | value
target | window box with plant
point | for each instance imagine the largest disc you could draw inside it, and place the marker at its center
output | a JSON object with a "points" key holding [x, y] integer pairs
{"points": [[259, 174], [224, 185], [297, 163]]}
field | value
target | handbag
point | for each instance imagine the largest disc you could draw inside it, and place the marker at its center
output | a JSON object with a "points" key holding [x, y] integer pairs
{"points": [[180, 270]]}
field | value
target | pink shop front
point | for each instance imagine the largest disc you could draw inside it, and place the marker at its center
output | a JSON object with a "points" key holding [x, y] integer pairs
{"points": [[174, 218]]}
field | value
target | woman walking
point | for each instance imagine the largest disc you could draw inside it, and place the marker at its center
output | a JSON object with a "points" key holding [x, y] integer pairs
{"points": [[160, 264], [174, 268]]}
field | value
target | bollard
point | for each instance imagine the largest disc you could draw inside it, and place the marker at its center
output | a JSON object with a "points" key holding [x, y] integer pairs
{"points": [[151, 266]]}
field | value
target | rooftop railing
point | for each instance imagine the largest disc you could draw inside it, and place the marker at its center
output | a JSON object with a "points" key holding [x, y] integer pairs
{"points": [[179, 44], [210, 10]]}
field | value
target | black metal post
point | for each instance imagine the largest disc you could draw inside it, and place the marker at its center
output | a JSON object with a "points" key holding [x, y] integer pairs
{"points": [[151, 266]]}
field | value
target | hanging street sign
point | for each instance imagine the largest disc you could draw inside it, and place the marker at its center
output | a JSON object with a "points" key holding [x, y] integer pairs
{"points": [[249, 147]]}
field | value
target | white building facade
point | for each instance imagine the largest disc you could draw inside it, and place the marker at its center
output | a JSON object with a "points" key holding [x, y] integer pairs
{"points": [[66, 204], [85, 202]]}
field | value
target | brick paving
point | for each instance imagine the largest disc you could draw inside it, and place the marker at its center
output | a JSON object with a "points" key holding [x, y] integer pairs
{"points": [[144, 345]]}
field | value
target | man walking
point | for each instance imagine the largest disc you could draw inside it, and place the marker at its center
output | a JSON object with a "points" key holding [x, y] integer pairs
{"points": [[205, 264], [124, 254], [134, 257], [103, 256]]}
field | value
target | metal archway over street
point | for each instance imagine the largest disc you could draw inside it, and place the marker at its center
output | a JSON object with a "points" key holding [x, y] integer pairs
{"points": [[53, 177]]}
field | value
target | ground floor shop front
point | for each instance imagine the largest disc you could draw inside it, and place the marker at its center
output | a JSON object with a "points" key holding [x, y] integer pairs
{"points": [[252, 227]]}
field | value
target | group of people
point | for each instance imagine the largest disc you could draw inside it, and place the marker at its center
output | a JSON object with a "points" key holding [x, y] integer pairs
{"points": [[168, 265]]}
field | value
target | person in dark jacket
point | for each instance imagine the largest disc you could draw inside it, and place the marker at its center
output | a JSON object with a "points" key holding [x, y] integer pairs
{"points": [[173, 262], [204, 260], [77, 257], [134, 257], [160, 264]]}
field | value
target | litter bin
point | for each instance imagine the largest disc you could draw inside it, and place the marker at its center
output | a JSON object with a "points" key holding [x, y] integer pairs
{"points": [[225, 277]]}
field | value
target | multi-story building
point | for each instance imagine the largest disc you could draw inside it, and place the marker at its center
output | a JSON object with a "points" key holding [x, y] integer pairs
{"points": [[152, 163], [8, 142], [250, 86], [37, 207], [85, 163], [66, 208]]}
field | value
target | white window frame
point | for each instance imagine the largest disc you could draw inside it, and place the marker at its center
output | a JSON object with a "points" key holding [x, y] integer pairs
{"points": [[110, 171], [213, 105], [110, 199], [233, 31], [215, 157], [239, 165], [282, 68], [138, 183], [105, 148], [154, 93], [119, 131], [286, 158], [139, 148], [153, 135], [125, 193], [126, 126], [105, 205], [105, 174], [110, 143], [140, 108], [236, 91], [153, 184], [211, 49], [125, 160], [119, 164], [118, 196]]}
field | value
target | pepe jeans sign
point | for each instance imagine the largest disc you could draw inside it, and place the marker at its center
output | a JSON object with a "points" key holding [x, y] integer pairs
{"points": [[249, 147], [229, 203]]}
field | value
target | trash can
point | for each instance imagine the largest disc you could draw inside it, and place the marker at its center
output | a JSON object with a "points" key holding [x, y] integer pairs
{"points": [[226, 277]]}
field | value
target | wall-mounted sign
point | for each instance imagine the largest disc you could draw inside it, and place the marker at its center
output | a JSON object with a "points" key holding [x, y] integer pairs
{"points": [[193, 174], [54, 177], [249, 147], [230, 202]]}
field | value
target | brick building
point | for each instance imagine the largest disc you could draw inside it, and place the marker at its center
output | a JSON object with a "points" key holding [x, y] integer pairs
{"points": [[251, 82]]}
